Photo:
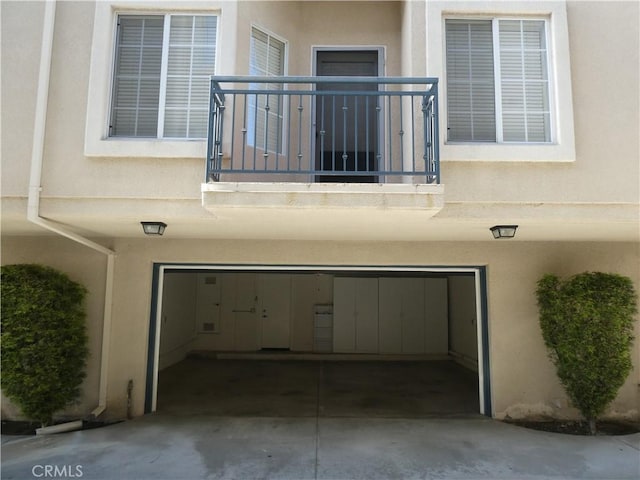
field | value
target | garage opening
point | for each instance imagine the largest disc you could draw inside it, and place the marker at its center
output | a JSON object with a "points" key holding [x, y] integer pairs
{"points": [[391, 343]]}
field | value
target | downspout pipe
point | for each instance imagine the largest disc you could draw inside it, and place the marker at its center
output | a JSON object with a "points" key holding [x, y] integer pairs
{"points": [[33, 202]]}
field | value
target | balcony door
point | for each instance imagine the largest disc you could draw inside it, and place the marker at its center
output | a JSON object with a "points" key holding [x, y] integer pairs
{"points": [[347, 126]]}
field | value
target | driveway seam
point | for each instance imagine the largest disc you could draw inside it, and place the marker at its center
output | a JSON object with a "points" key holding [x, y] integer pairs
{"points": [[318, 390], [629, 443]]}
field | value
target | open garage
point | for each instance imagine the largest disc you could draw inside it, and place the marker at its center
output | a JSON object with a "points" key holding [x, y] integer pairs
{"points": [[303, 342]]}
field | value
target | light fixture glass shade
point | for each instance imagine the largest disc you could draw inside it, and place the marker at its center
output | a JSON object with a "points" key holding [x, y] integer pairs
{"points": [[504, 231], [153, 228]]}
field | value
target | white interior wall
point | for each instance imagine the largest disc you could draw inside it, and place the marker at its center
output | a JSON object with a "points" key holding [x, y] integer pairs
{"points": [[307, 291], [236, 327], [436, 316], [178, 317], [239, 326], [371, 315], [463, 339], [413, 315]]}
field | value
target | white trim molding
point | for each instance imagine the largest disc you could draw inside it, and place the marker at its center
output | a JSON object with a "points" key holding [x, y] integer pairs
{"points": [[97, 141], [562, 149]]}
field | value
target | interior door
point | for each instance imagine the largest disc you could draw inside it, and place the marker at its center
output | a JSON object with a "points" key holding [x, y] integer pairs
{"points": [[347, 127], [344, 315], [355, 315], [367, 315], [275, 310], [245, 332], [208, 290]]}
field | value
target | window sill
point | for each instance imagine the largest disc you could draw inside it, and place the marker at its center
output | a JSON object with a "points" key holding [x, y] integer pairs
{"points": [[507, 152], [562, 124], [101, 75], [151, 148]]}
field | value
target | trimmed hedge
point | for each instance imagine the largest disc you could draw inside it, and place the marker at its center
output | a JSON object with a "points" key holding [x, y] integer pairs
{"points": [[587, 325], [44, 339]]}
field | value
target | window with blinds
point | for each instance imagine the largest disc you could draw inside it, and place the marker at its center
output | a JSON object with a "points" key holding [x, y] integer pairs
{"points": [[266, 110], [161, 75], [497, 81]]}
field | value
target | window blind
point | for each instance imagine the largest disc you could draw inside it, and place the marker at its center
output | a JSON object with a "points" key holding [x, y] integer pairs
{"points": [[191, 61], [266, 54], [266, 58], [136, 88], [470, 81], [498, 96], [161, 82], [524, 81]]}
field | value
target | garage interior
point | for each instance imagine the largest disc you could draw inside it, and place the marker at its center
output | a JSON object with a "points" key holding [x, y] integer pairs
{"points": [[336, 344]]}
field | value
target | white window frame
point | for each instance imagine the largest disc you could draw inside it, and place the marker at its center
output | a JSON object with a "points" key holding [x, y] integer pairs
{"points": [[562, 146], [164, 74], [495, 27], [497, 77], [97, 141], [285, 99]]}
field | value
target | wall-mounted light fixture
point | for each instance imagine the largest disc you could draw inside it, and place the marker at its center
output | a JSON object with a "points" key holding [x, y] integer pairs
{"points": [[153, 228], [504, 231]]}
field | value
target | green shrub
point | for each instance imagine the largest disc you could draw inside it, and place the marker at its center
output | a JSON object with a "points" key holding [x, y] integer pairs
{"points": [[43, 340], [587, 325]]}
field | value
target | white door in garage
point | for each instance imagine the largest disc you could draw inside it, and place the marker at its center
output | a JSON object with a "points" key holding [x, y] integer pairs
{"points": [[355, 315], [402, 315], [243, 291], [275, 310]]}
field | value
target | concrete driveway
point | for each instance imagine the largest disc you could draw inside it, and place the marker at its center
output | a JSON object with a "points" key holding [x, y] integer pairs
{"points": [[165, 446], [270, 388]]}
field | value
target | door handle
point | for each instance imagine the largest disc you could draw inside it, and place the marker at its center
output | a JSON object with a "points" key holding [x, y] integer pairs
{"points": [[251, 310]]}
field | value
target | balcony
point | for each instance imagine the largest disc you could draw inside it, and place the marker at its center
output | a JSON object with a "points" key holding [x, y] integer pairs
{"points": [[326, 143]]}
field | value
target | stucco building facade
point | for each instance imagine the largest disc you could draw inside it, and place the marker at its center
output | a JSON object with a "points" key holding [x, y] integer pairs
{"points": [[104, 127]]}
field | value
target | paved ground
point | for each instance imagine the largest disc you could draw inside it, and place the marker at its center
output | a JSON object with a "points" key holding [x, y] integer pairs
{"points": [[318, 420], [163, 446], [269, 388]]}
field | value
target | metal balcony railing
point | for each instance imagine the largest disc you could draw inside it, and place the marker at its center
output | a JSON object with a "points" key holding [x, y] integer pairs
{"points": [[323, 129]]}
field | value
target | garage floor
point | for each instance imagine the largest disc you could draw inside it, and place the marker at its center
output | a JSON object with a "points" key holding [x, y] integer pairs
{"points": [[268, 388]]}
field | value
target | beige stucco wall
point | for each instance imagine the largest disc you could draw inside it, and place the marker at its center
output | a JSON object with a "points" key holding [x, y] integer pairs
{"points": [[81, 265], [523, 379], [414, 39], [606, 168], [605, 99], [308, 24], [22, 29], [606, 106]]}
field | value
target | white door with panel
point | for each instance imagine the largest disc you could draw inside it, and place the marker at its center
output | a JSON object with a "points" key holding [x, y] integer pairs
{"points": [[244, 314], [413, 316], [355, 315], [275, 310], [208, 303], [402, 315]]}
